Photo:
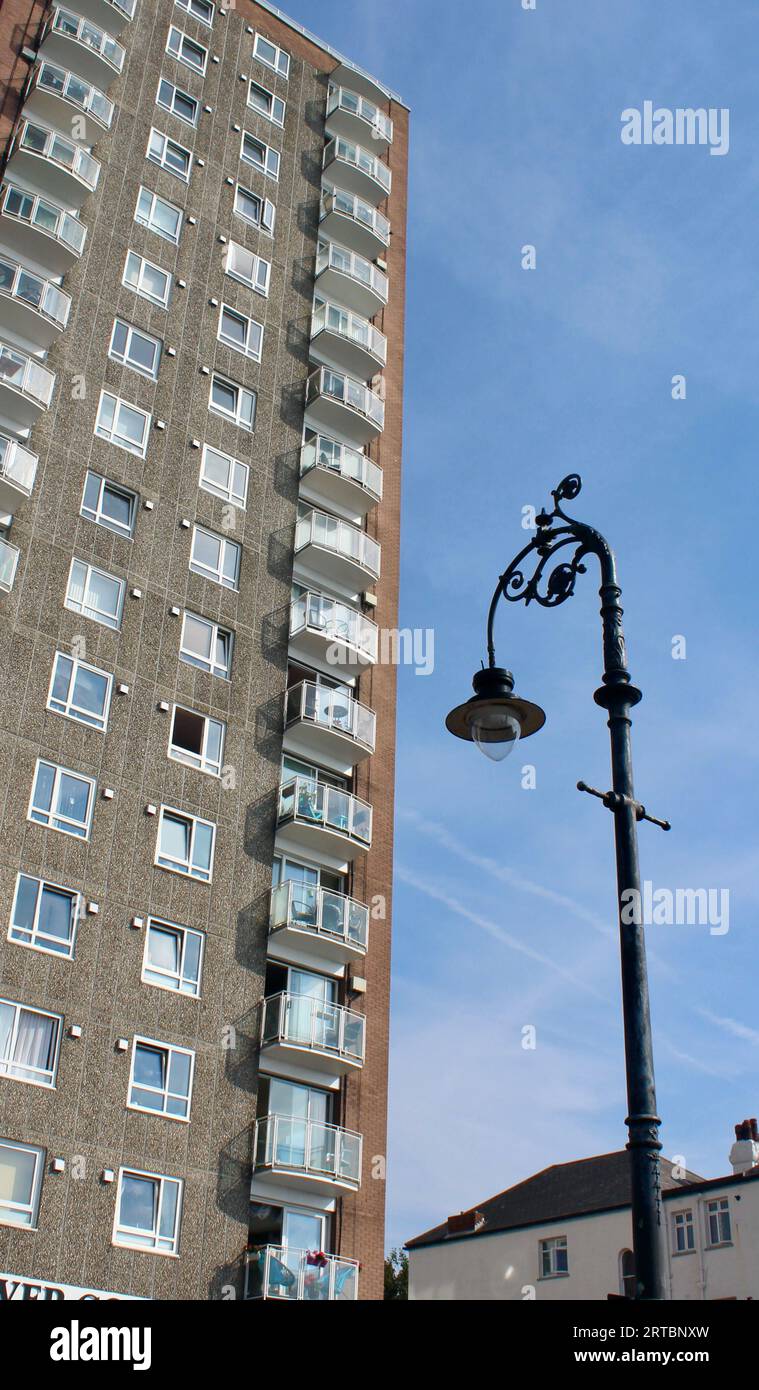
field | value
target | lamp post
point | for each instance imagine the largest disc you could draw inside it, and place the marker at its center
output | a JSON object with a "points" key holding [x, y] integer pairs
{"points": [[495, 719]]}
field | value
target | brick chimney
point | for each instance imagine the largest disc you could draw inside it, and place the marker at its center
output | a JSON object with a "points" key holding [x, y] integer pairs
{"points": [[744, 1154], [466, 1223]]}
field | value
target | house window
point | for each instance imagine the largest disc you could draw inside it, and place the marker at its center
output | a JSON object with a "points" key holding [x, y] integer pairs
{"points": [[29, 1042], [261, 156], [79, 691], [224, 476], [199, 9], [122, 424], [215, 557], [176, 101], [249, 269], [20, 1183], [186, 50], [169, 155], [206, 645], [233, 402], [108, 504], [161, 1079], [185, 844], [258, 211], [62, 800], [173, 957], [44, 916], [683, 1231], [553, 1257], [627, 1276], [274, 57], [198, 740], [135, 349], [718, 1221], [95, 594], [147, 280], [240, 332], [148, 1209], [159, 216], [265, 102]]}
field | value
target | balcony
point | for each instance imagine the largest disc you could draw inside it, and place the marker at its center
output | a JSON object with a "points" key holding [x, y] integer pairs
{"points": [[76, 43], [61, 169], [26, 387], [308, 1276], [347, 219], [324, 819], [357, 170], [341, 405], [353, 281], [321, 723], [31, 225], [340, 476], [315, 1156], [33, 308], [337, 551], [325, 924], [346, 75], [53, 91], [347, 341], [315, 1035], [8, 565], [111, 15], [18, 470], [357, 118], [325, 632]]}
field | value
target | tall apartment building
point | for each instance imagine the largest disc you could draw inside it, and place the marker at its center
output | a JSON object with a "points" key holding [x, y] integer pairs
{"points": [[202, 255]]}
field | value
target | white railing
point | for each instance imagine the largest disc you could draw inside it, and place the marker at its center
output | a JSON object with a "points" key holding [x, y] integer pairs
{"points": [[18, 283], [340, 99], [350, 205], [331, 709], [49, 77], [347, 391], [330, 318], [309, 1276], [314, 1024], [73, 26], [48, 144], [336, 622], [305, 802], [17, 464], [25, 374], [329, 533], [328, 914], [44, 216], [358, 158], [330, 256], [322, 452], [310, 1147], [8, 564]]}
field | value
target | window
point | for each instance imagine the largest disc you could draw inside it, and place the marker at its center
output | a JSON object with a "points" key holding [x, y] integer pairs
{"points": [[95, 594], [161, 1079], [176, 101], [274, 57], [108, 504], [627, 1276], [261, 156], [28, 1043], [185, 844], [44, 916], [20, 1183], [215, 557], [718, 1221], [232, 401], [241, 333], [146, 279], [158, 215], [197, 739], [553, 1257], [122, 424], [266, 103], [206, 645], [683, 1231], [170, 155], [249, 269], [186, 50], [135, 349], [173, 957], [258, 211], [199, 9], [62, 800], [79, 691], [148, 1209], [224, 476]]}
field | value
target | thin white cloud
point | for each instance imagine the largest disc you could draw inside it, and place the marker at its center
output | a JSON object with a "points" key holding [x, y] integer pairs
{"points": [[731, 1026]]}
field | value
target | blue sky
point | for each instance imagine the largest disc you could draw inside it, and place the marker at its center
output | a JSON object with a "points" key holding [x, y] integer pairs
{"points": [[647, 267]]}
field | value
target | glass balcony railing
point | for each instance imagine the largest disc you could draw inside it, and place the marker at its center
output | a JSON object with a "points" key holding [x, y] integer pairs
{"points": [[43, 216], [328, 808], [340, 99], [17, 464], [339, 537], [299, 1021], [358, 158], [332, 257], [8, 565], [332, 916], [49, 77], [21, 285], [330, 318], [309, 1276], [346, 391], [23, 373], [308, 1147], [342, 462], [48, 144], [330, 709], [350, 205], [336, 622], [73, 26]]}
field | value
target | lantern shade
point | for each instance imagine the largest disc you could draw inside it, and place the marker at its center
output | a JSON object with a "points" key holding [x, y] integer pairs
{"points": [[494, 718]]}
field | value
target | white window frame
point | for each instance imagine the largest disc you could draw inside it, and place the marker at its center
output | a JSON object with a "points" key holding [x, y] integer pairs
{"points": [[236, 418], [32, 1208], [267, 216], [722, 1213], [149, 969], [217, 576], [254, 332], [37, 938], [148, 222], [121, 1233], [138, 288], [190, 658], [54, 815], [125, 359], [274, 103], [270, 163], [281, 62], [177, 91], [188, 7], [200, 761], [169, 1049], [100, 518], [70, 709], [181, 40], [227, 495], [550, 1246], [174, 865], [112, 435], [86, 610], [682, 1221], [45, 1077], [160, 159], [260, 277]]}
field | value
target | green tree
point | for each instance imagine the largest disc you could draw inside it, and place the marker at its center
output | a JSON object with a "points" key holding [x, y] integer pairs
{"points": [[396, 1274]]}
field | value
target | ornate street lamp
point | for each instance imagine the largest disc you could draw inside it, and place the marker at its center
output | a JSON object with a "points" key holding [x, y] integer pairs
{"points": [[495, 719]]}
